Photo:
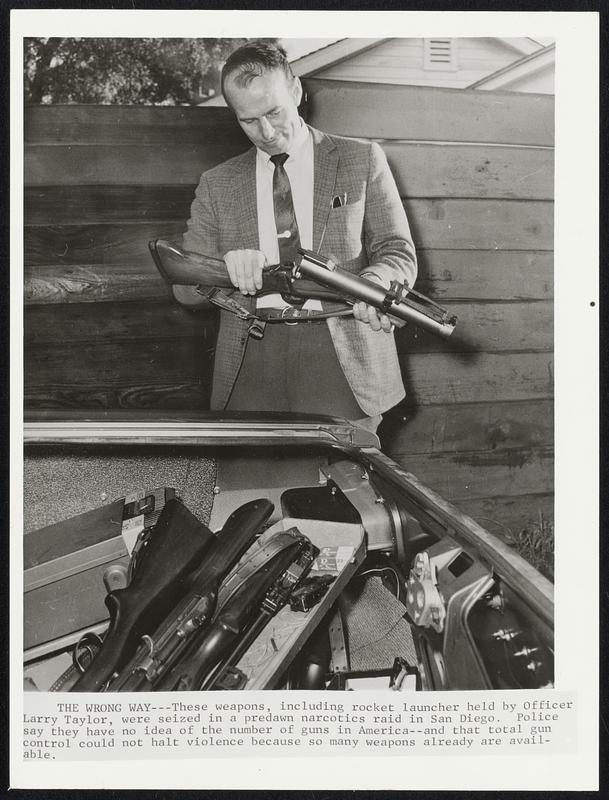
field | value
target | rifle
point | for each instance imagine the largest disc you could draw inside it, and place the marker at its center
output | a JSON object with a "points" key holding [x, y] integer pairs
{"points": [[311, 277], [276, 598], [172, 549], [286, 567], [161, 650]]}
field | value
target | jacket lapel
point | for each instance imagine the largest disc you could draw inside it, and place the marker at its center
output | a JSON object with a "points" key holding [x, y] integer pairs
{"points": [[325, 167]]}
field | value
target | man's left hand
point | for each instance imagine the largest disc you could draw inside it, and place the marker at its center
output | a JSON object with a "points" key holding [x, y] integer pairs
{"points": [[369, 315]]}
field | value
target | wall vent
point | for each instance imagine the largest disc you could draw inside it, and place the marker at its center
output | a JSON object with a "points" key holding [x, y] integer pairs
{"points": [[440, 54]]}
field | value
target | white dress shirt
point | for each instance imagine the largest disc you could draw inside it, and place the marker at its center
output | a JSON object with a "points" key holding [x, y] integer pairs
{"points": [[299, 168]]}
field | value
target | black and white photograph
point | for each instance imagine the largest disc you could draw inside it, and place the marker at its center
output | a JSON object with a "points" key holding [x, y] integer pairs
{"points": [[290, 398]]}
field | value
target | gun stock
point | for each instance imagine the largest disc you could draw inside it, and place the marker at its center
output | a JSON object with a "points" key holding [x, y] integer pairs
{"points": [[176, 545], [181, 268]]}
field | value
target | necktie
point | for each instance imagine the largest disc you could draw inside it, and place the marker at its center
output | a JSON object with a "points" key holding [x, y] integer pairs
{"points": [[285, 217]]}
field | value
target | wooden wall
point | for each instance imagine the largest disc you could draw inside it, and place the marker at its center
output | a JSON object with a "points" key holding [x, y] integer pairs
{"points": [[476, 174], [100, 181]]}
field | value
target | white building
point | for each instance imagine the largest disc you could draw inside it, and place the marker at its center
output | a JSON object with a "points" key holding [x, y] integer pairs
{"points": [[513, 64], [517, 64]]}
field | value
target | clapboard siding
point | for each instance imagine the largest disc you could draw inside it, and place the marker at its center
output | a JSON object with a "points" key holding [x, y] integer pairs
{"points": [[136, 180], [436, 224], [451, 428], [120, 362], [491, 327], [486, 274], [401, 61], [430, 114], [433, 378], [130, 321], [182, 396], [79, 245], [387, 74], [366, 110], [87, 204], [136, 125], [481, 224], [465, 476], [122, 164], [447, 275], [488, 327], [475, 171], [59, 284]]}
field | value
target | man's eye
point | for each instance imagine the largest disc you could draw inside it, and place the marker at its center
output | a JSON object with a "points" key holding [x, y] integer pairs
{"points": [[274, 113]]}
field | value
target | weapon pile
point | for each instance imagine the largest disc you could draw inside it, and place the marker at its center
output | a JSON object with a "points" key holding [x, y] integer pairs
{"points": [[195, 603]]}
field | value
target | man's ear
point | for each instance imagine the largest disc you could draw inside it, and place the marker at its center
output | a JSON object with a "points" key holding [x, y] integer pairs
{"points": [[297, 91]]}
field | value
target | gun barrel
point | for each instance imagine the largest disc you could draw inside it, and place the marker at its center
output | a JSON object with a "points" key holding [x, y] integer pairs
{"points": [[361, 289]]}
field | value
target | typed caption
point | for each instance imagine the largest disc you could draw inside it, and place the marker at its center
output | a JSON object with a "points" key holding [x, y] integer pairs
{"points": [[84, 727]]}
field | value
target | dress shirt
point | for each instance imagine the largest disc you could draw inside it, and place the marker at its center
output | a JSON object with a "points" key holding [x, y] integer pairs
{"points": [[299, 168]]}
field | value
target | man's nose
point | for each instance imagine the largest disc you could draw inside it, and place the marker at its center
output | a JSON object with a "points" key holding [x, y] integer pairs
{"points": [[266, 129]]}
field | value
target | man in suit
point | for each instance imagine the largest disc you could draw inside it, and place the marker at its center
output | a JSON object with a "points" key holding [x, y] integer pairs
{"points": [[300, 187]]}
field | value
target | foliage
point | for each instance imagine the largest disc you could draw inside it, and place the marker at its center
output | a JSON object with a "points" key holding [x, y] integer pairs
{"points": [[535, 542], [124, 71]]}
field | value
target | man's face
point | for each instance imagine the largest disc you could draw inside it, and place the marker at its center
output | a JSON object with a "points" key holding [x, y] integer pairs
{"points": [[267, 109]]}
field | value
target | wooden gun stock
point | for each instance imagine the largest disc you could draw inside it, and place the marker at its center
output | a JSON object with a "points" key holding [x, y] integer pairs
{"points": [[176, 545], [180, 268]]}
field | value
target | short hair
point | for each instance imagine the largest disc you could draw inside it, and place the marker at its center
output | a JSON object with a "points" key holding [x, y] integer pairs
{"points": [[253, 59]]}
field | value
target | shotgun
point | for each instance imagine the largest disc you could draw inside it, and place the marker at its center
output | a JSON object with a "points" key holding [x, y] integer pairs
{"points": [[275, 599], [160, 651], [173, 548]]}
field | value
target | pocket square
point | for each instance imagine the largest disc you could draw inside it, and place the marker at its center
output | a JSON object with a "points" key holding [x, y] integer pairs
{"points": [[339, 200]]}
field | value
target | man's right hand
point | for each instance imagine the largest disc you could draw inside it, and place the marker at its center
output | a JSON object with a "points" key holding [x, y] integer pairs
{"points": [[245, 269]]}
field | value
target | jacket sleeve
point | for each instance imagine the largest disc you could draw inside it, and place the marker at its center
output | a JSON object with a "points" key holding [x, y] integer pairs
{"points": [[387, 238], [202, 233]]}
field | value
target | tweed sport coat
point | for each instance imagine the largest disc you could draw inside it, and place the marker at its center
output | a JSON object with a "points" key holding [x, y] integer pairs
{"points": [[368, 233]]}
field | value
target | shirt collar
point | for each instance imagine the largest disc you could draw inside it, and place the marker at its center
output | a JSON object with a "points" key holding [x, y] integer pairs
{"points": [[296, 150]]}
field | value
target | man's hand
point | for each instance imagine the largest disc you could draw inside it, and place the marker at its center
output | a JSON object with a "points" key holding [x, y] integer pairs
{"points": [[245, 269], [369, 315]]}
